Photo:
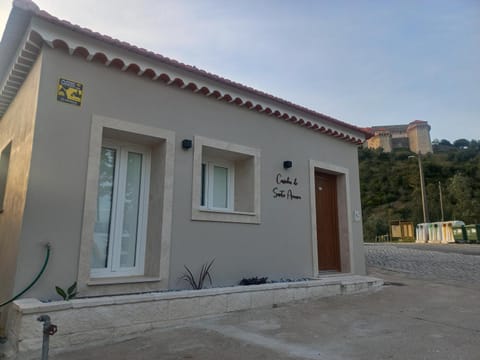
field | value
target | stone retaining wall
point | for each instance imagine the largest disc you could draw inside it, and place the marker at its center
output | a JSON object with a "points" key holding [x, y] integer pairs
{"points": [[103, 320]]}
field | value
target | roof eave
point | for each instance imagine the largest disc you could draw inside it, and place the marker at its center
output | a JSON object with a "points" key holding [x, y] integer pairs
{"points": [[15, 29], [270, 104]]}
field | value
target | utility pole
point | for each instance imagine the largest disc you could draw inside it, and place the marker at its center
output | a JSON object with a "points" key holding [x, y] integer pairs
{"points": [[422, 188], [441, 199]]}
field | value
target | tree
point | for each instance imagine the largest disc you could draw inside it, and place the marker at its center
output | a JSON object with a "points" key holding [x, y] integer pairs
{"points": [[373, 226], [461, 143], [462, 205], [390, 186]]}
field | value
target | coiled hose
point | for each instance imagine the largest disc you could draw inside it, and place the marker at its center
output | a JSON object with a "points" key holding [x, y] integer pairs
{"points": [[34, 280]]}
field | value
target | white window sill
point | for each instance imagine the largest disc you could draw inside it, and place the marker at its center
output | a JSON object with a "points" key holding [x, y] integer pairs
{"points": [[226, 211], [205, 214], [121, 280]]}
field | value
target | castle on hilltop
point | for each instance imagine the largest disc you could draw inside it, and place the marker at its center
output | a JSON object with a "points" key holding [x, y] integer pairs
{"points": [[414, 136]]}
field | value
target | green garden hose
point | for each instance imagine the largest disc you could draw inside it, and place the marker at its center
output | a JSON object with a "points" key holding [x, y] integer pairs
{"points": [[34, 280]]}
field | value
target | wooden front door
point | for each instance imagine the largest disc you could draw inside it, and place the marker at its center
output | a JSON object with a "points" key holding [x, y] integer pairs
{"points": [[327, 222]]}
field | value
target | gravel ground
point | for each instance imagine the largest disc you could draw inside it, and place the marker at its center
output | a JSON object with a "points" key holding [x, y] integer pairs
{"points": [[449, 262]]}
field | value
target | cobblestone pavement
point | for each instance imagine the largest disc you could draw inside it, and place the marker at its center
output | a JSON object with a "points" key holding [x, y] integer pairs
{"points": [[450, 262]]}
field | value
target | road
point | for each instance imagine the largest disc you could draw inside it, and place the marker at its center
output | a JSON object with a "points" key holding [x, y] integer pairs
{"points": [[448, 263]]}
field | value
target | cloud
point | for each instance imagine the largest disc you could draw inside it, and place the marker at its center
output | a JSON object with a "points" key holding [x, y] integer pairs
{"points": [[362, 61]]}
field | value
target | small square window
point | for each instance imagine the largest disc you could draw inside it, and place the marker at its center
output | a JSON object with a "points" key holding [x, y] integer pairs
{"points": [[4, 163], [226, 182], [218, 185]]}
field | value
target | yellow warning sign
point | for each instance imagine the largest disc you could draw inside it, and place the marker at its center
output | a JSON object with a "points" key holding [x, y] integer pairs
{"points": [[70, 92]]}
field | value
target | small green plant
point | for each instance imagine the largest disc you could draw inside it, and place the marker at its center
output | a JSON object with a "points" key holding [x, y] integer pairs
{"points": [[69, 294], [198, 284], [253, 281]]}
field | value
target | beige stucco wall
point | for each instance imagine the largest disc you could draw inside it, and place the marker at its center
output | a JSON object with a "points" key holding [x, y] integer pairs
{"points": [[16, 126], [280, 246], [383, 141], [419, 138]]}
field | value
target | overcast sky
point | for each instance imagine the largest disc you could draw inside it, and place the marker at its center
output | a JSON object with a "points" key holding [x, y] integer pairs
{"points": [[367, 62]]}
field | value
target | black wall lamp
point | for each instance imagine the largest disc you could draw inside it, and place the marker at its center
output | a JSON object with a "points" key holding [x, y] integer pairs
{"points": [[287, 164], [186, 144]]}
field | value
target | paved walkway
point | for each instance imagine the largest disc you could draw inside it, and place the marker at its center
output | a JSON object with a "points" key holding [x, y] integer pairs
{"points": [[449, 262], [420, 314]]}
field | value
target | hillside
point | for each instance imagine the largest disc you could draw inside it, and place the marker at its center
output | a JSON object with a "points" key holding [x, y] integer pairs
{"points": [[390, 185]]}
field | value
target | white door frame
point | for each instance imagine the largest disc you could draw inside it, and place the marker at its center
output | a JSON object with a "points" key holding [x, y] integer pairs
{"points": [[344, 214]]}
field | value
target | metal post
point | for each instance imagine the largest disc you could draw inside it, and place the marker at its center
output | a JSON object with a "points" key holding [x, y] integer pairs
{"points": [[424, 198], [441, 199], [422, 188], [48, 330]]}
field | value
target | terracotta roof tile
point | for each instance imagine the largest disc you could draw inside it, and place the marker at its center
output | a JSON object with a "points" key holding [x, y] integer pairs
{"points": [[32, 8]]}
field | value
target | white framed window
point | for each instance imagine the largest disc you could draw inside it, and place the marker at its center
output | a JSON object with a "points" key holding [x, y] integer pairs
{"points": [[218, 183], [119, 236], [226, 182], [4, 164]]}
